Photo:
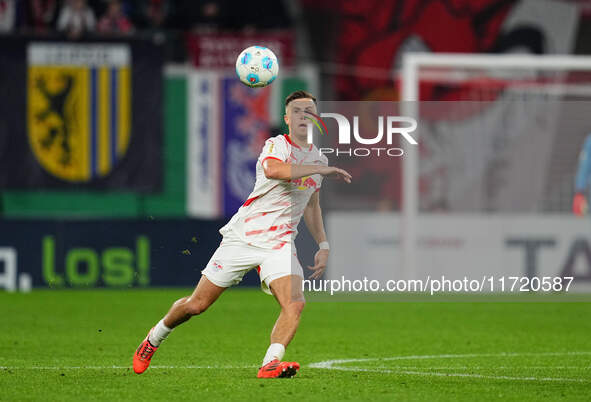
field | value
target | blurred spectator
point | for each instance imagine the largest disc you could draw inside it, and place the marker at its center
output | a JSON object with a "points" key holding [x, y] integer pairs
{"points": [[114, 20], [7, 15], [203, 13], [76, 18], [268, 14], [41, 15], [154, 14], [232, 15]]}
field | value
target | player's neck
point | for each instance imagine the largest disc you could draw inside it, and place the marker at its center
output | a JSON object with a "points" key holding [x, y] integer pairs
{"points": [[302, 143]]}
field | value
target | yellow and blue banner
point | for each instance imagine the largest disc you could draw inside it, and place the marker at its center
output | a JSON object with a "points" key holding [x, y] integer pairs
{"points": [[79, 111], [82, 114]]}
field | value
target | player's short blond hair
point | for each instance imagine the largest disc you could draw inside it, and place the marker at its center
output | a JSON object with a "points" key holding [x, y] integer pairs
{"points": [[299, 95]]}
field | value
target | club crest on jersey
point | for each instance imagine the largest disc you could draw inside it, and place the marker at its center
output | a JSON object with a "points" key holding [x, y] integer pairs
{"points": [[78, 108]]}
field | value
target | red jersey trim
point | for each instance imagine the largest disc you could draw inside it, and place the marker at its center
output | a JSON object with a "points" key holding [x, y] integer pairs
{"points": [[280, 245], [294, 144], [255, 216], [270, 157], [249, 201], [286, 136], [270, 229]]}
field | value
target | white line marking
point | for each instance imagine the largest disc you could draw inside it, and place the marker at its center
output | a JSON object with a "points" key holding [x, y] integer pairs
{"points": [[330, 363], [484, 367], [334, 365], [407, 370], [435, 374]]}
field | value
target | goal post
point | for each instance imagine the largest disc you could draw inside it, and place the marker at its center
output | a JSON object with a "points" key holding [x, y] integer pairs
{"points": [[410, 77]]}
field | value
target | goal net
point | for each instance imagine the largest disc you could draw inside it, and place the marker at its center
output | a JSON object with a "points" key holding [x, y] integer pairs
{"points": [[499, 138]]}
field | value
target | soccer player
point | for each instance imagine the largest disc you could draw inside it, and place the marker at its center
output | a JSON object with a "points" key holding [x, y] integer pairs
{"points": [[582, 179], [261, 236]]}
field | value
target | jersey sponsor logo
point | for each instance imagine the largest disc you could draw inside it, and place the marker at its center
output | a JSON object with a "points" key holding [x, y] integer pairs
{"points": [[78, 108], [304, 183]]}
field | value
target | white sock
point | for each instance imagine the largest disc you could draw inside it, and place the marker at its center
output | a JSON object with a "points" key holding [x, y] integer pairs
{"points": [[159, 333], [275, 351]]}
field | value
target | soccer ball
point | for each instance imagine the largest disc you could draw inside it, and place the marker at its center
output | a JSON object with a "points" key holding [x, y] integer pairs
{"points": [[257, 66]]}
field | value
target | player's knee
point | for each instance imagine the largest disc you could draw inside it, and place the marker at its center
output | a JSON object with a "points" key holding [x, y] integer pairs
{"points": [[295, 308], [181, 301], [196, 307]]}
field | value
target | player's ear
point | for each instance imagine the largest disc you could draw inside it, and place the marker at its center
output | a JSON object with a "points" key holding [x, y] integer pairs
{"points": [[286, 119]]}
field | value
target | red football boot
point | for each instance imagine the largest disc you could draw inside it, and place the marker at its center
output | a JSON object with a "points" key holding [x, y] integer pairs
{"points": [[277, 369], [143, 355]]}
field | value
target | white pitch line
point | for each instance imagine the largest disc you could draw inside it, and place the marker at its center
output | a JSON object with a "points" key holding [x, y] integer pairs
{"points": [[330, 363], [435, 374], [333, 365], [484, 367]]}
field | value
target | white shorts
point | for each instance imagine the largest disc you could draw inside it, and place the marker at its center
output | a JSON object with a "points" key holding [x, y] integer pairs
{"points": [[233, 259]]}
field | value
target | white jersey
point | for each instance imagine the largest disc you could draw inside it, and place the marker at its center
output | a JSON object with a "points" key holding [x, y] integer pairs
{"points": [[270, 216]]}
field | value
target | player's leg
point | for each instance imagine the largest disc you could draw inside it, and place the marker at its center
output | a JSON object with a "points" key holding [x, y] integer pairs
{"points": [[282, 274], [204, 295], [226, 267], [288, 292]]}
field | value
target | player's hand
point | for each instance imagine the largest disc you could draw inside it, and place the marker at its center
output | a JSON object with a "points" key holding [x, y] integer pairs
{"points": [[335, 171], [579, 204], [320, 260]]}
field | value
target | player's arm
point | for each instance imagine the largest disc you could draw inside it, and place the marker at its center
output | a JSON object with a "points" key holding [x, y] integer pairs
{"points": [[582, 179], [279, 170], [315, 225]]}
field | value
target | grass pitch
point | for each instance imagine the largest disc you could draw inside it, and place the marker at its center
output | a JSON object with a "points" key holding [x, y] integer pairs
{"points": [[78, 345]]}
